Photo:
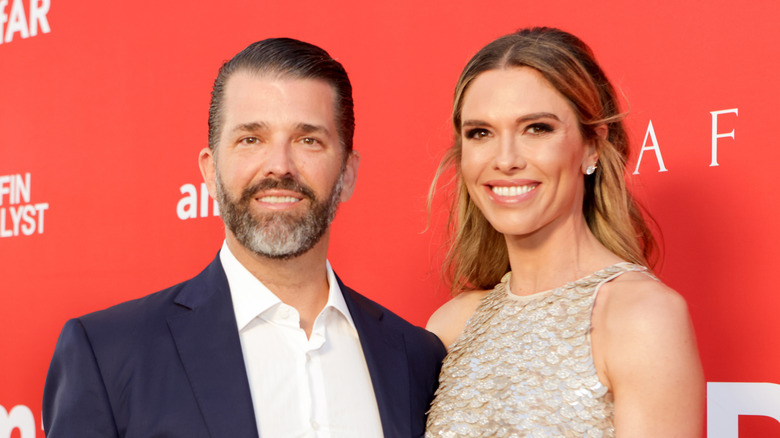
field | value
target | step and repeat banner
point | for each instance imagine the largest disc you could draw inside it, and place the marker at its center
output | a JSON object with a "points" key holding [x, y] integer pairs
{"points": [[103, 110]]}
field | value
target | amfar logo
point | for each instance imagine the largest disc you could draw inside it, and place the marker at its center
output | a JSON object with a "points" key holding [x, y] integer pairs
{"points": [[195, 203], [716, 134], [20, 418], [15, 21], [17, 215]]}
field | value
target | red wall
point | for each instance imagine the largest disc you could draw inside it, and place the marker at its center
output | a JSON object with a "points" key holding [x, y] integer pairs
{"points": [[106, 108]]}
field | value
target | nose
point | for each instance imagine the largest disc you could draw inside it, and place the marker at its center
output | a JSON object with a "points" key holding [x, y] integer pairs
{"points": [[278, 160], [509, 157]]}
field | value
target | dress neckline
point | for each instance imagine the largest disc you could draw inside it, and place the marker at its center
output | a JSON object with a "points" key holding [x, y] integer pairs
{"points": [[600, 275]]}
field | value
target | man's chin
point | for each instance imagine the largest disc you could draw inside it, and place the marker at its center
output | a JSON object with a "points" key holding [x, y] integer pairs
{"points": [[282, 218], [279, 257], [277, 249]]}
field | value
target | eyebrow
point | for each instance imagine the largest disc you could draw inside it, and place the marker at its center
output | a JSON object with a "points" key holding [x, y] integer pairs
{"points": [[306, 128], [249, 127], [523, 119]]}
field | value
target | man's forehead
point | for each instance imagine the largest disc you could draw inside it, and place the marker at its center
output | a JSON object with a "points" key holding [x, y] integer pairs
{"points": [[249, 95], [246, 78]]}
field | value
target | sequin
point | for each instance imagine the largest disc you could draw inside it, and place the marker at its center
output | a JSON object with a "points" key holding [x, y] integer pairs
{"points": [[523, 367]]}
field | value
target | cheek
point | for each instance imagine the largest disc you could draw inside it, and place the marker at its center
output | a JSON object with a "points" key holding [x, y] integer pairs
{"points": [[472, 164], [319, 173], [471, 167], [236, 173], [566, 173], [566, 156]]}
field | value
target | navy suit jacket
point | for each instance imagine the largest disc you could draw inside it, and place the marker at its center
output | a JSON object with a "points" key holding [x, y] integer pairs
{"points": [[170, 365]]}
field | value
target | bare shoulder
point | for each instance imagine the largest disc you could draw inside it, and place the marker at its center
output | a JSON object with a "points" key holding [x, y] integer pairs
{"points": [[635, 300], [448, 321], [645, 350]]}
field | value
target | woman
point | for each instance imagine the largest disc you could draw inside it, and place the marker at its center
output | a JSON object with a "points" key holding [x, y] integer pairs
{"points": [[557, 327]]}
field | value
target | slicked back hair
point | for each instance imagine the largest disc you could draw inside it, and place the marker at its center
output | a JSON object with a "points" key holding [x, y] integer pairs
{"points": [[287, 57]]}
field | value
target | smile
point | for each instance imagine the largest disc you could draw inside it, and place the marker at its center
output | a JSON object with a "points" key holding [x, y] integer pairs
{"points": [[512, 190], [278, 199]]}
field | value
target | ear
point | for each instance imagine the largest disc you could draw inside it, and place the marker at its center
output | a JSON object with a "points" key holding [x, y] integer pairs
{"points": [[602, 131], [349, 178], [207, 163], [591, 157]]}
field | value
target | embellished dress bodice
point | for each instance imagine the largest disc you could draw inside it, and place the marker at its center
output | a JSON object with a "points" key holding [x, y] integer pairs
{"points": [[523, 367]]}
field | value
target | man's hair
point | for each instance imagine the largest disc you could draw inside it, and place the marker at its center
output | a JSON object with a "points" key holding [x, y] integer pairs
{"points": [[287, 57]]}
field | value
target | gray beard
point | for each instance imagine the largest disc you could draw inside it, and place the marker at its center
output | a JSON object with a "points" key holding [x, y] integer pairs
{"points": [[278, 236]]}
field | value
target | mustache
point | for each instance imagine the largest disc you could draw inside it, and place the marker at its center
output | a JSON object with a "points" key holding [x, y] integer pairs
{"points": [[284, 183]]}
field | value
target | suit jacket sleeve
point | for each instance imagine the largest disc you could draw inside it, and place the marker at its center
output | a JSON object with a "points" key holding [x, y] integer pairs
{"points": [[75, 402]]}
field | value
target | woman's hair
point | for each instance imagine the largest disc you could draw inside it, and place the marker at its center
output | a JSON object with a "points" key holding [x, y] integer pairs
{"points": [[478, 257]]}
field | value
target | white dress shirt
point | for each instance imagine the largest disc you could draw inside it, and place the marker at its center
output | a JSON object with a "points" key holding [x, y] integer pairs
{"points": [[316, 387]]}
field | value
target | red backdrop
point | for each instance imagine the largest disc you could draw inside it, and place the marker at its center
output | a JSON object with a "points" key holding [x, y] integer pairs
{"points": [[104, 106]]}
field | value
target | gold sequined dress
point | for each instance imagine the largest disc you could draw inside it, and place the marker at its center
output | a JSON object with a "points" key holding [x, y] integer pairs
{"points": [[523, 367]]}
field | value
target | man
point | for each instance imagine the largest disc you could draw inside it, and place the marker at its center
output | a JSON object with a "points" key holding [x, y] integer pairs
{"points": [[266, 340]]}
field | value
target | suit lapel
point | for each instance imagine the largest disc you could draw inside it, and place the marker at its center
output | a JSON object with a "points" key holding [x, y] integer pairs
{"points": [[385, 356], [207, 340]]}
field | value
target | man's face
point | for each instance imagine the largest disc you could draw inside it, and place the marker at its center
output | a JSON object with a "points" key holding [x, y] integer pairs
{"points": [[279, 172]]}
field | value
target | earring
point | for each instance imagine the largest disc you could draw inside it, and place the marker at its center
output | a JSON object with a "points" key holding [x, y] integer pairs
{"points": [[590, 170]]}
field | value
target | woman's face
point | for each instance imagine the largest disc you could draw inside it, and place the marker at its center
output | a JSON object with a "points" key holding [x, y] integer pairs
{"points": [[523, 156]]}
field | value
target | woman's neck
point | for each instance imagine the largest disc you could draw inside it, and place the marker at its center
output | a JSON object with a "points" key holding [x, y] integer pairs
{"points": [[554, 255]]}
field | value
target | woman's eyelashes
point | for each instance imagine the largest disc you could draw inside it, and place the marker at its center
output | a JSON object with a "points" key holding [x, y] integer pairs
{"points": [[477, 133], [539, 128], [533, 129]]}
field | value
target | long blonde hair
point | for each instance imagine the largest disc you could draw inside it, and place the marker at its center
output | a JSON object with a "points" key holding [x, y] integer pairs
{"points": [[477, 258]]}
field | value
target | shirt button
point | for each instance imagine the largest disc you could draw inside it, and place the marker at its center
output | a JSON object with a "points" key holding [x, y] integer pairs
{"points": [[285, 313], [315, 425]]}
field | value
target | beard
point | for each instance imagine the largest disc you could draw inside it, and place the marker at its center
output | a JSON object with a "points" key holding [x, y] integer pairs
{"points": [[278, 235]]}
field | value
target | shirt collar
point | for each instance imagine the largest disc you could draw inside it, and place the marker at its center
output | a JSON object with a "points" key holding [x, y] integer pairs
{"points": [[251, 298]]}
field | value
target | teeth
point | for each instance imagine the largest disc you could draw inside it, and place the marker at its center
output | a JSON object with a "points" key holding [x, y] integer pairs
{"points": [[278, 199], [512, 190]]}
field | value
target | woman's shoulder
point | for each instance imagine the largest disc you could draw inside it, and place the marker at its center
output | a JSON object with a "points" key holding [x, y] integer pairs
{"points": [[448, 321], [636, 317], [645, 348], [638, 295]]}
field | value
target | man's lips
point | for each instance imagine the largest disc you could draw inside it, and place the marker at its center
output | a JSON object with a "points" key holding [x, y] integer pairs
{"points": [[278, 197], [272, 191]]}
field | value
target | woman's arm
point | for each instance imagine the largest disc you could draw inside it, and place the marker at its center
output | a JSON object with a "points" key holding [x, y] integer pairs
{"points": [[449, 320], [649, 358]]}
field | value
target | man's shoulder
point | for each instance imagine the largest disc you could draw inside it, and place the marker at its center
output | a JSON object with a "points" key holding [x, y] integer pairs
{"points": [[138, 308], [377, 310], [153, 309], [417, 335]]}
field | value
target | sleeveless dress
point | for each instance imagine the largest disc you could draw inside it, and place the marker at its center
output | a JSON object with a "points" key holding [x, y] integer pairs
{"points": [[523, 367]]}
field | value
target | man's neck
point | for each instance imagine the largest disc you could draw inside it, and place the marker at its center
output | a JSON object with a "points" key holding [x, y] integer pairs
{"points": [[300, 282]]}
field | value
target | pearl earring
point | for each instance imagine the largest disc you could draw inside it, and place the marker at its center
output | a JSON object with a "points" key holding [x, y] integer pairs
{"points": [[590, 170]]}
